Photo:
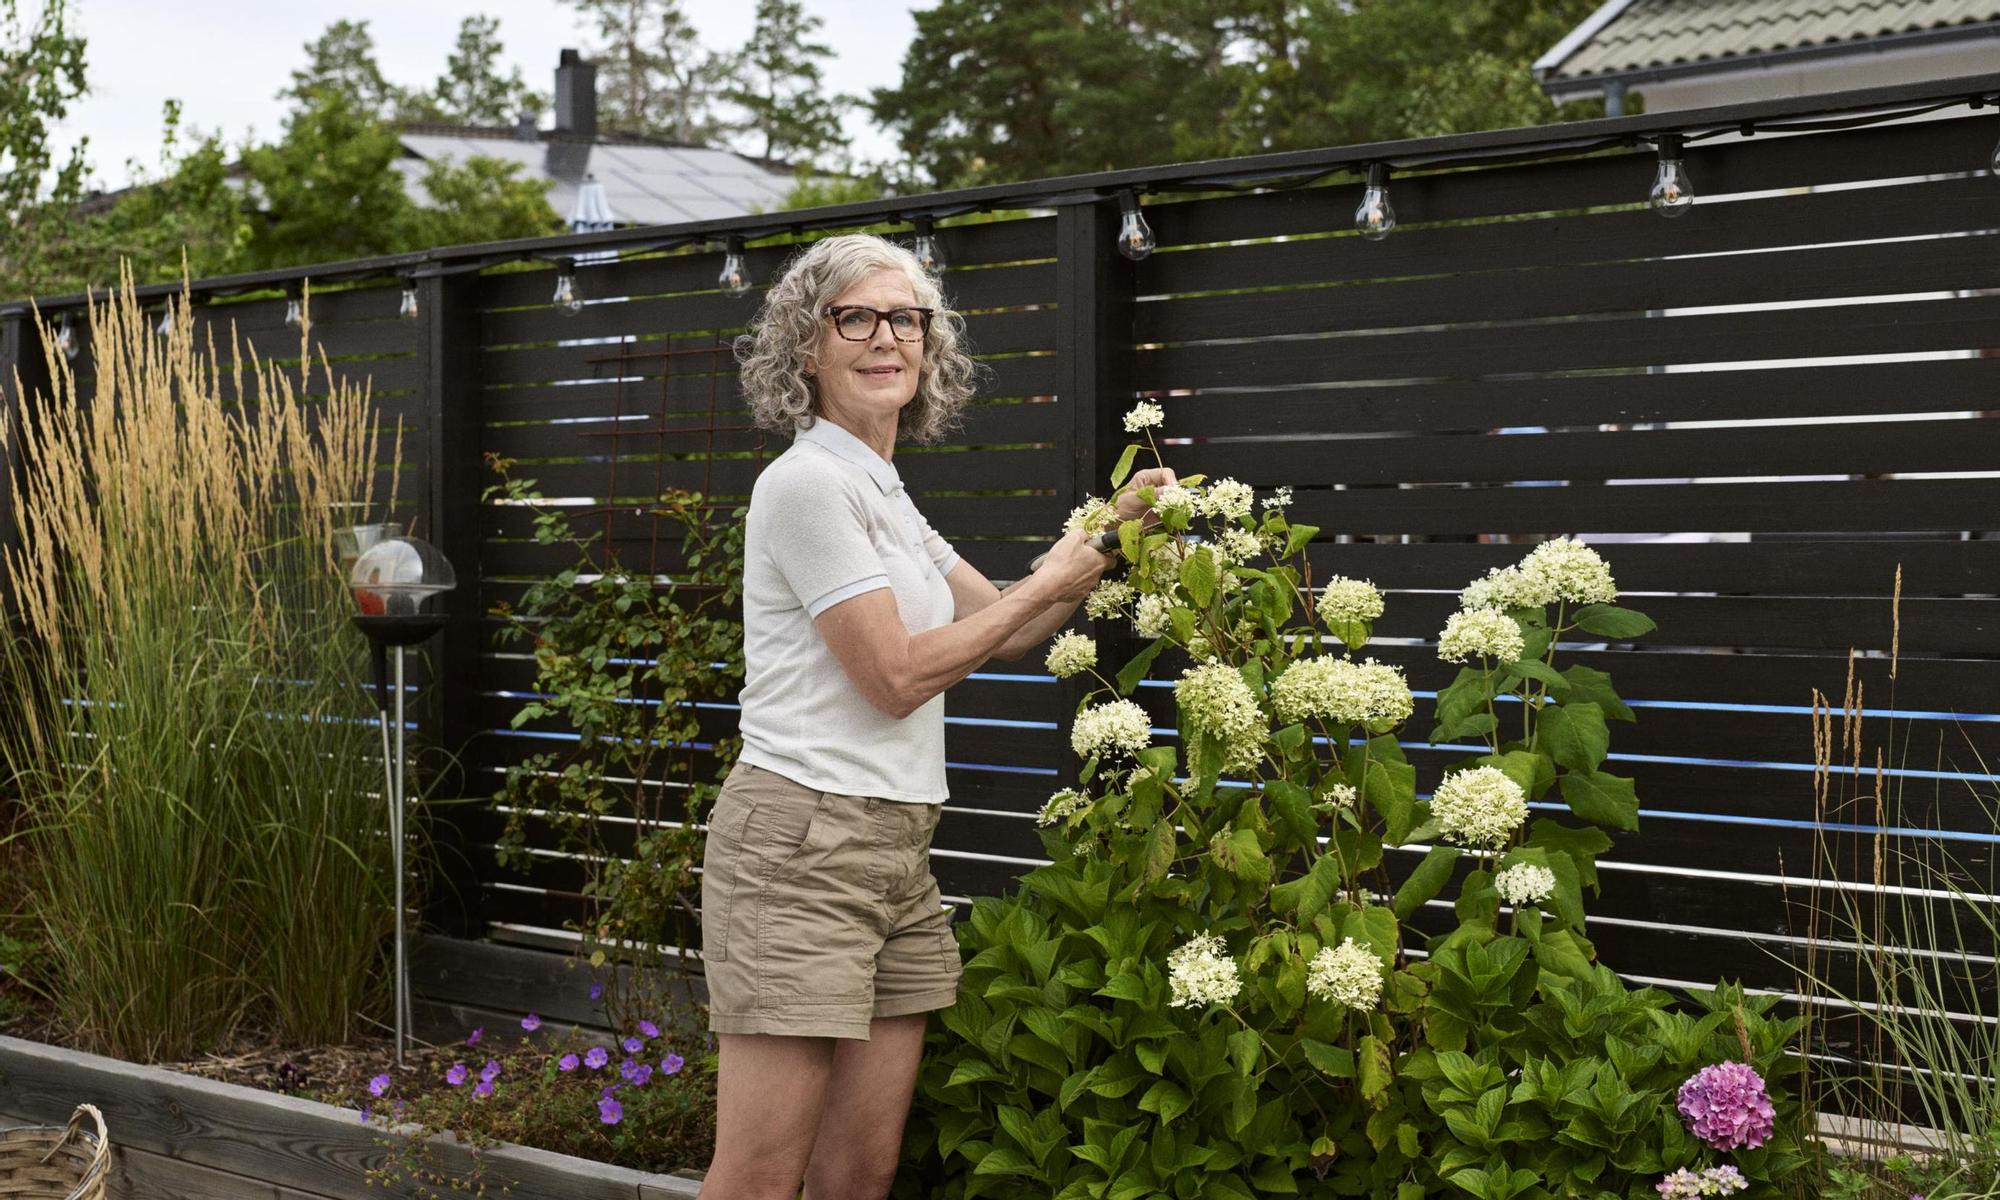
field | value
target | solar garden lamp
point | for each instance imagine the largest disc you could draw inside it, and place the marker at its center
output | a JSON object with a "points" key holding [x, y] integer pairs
{"points": [[397, 583]]}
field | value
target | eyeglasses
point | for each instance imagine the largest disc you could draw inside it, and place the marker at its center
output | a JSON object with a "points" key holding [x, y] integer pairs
{"points": [[858, 322]]}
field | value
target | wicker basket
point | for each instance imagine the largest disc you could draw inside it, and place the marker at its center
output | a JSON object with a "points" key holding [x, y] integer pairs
{"points": [[50, 1162]]}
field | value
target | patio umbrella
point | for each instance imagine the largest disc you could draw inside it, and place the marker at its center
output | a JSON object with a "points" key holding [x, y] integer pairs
{"points": [[592, 214]]}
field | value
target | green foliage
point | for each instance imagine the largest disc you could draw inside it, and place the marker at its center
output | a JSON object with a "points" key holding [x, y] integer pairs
{"points": [[542, 1092], [999, 90], [41, 73], [623, 663], [478, 200], [340, 63], [778, 84], [1214, 988], [472, 91], [326, 189], [653, 74]]}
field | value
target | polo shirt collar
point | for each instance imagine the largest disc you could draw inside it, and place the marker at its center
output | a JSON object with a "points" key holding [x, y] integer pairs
{"points": [[848, 448]]}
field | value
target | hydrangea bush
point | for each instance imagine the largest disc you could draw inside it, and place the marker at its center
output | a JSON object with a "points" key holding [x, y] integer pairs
{"points": [[1261, 963]]}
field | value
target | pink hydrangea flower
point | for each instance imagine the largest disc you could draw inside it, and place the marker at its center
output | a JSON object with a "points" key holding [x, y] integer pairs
{"points": [[1725, 1106]]}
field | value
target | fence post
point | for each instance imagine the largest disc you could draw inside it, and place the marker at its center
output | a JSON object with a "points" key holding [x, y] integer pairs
{"points": [[1094, 290], [448, 354]]}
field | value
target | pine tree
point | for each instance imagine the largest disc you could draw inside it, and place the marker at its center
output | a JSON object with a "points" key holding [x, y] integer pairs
{"points": [[341, 60], [654, 75], [781, 89], [472, 91]]}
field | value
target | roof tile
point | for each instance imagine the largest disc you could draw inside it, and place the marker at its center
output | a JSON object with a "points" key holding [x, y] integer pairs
{"points": [[1654, 33]]}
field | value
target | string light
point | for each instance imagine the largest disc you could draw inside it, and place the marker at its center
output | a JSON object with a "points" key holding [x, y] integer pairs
{"points": [[735, 277], [1374, 217], [568, 303], [408, 309], [295, 309], [166, 326], [1672, 194], [928, 248], [1135, 237]]}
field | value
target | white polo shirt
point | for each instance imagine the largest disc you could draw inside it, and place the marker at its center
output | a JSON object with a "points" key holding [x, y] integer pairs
{"points": [[829, 520]]}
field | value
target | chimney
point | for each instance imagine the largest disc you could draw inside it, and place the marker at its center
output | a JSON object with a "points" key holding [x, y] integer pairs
{"points": [[527, 128], [576, 97]]}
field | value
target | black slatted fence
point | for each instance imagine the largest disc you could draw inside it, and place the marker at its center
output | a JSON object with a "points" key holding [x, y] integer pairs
{"points": [[1759, 412]]}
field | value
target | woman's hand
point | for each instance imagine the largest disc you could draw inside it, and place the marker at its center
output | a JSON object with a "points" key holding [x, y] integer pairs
{"points": [[1129, 503], [1073, 567]]}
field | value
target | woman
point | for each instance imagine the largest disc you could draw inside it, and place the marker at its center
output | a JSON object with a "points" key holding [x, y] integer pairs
{"points": [[825, 942]]}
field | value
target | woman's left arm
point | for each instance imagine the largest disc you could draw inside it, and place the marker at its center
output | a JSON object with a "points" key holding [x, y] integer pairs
{"points": [[972, 591]]}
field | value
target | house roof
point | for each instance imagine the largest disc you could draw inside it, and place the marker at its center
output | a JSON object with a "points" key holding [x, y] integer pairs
{"points": [[646, 182], [1625, 37]]}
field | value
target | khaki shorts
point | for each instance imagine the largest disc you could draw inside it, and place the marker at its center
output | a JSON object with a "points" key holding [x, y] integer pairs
{"points": [[818, 911]]}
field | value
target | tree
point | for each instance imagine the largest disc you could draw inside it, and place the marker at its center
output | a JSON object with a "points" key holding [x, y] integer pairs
{"points": [[472, 91], [656, 77], [997, 90], [479, 200], [341, 61], [41, 72], [781, 90], [326, 189]]}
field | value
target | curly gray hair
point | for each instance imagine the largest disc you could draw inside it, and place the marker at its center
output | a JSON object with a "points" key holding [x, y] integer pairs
{"points": [[783, 395]]}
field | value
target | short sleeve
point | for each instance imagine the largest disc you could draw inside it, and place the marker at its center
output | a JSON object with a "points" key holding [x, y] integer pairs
{"points": [[812, 524], [934, 544]]}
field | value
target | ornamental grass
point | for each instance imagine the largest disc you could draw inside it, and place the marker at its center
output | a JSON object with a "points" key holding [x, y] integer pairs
{"points": [[196, 763]]}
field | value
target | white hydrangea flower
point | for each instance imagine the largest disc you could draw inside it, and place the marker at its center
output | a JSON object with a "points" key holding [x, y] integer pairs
{"points": [[1349, 975], [1228, 500], [1479, 807], [1568, 570], [1337, 796], [1144, 415], [1345, 599], [1119, 727], [1481, 633], [1278, 499], [1108, 599], [1505, 587], [1072, 654], [1525, 883], [1167, 558], [1094, 514], [1175, 498], [1202, 973], [1061, 805], [1349, 693], [1219, 704], [1236, 544], [1199, 649], [1154, 616]]}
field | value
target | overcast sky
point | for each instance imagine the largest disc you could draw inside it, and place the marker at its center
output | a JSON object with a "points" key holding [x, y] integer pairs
{"points": [[225, 60]]}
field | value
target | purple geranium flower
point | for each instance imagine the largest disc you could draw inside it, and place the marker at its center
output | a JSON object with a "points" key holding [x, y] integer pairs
{"points": [[531, 1022], [566, 1063], [457, 1075], [649, 1029], [672, 1064], [596, 1057], [1726, 1107], [632, 1045], [625, 1069], [489, 1072], [597, 991], [642, 1074], [610, 1111], [483, 1089], [366, 1112], [472, 1039], [379, 1084]]}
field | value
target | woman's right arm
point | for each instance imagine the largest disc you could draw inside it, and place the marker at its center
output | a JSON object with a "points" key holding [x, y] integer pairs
{"points": [[898, 672]]}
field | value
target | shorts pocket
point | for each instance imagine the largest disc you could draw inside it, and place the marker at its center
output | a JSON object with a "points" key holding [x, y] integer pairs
{"points": [[722, 860]]}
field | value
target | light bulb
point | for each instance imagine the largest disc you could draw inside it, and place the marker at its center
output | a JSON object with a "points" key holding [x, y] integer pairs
{"points": [[566, 300], [66, 337], [735, 276], [1135, 237], [1672, 194], [408, 309], [166, 326], [929, 248], [1993, 162], [1374, 217], [295, 312]]}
